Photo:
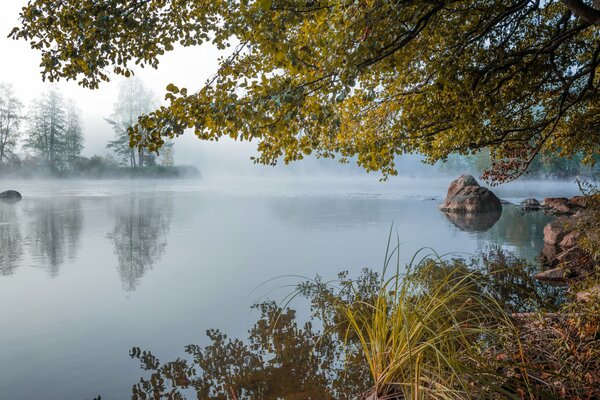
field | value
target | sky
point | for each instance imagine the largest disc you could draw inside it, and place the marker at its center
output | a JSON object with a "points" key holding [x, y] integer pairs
{"points": [[184, 67]]}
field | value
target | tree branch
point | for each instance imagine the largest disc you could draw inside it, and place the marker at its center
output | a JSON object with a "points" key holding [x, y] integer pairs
{"points": [[584, 11]]}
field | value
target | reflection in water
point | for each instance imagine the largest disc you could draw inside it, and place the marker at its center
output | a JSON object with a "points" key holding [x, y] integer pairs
{"points": [[474, 222], [140, 235], [284, 358], [523, 231], [336, 213], [55, 231], [11, 241]]}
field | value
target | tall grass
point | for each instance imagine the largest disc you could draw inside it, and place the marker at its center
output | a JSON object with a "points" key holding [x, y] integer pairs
{"points": [[428, 334]]}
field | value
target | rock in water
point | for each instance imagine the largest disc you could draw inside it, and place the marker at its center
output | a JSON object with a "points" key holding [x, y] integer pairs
{"points": [[530, 205], [10, 196], [466, 196], [561, 205], [555, 231]]}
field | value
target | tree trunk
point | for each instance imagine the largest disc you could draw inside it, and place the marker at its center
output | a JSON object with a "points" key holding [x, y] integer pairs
{"points": [[140, 158]]}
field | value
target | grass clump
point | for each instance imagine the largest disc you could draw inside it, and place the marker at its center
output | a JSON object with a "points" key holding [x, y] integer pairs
{"points": [[434, 338]]}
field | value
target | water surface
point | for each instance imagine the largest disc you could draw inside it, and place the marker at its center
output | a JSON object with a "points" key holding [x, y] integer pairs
{"points": [[89, 269]]}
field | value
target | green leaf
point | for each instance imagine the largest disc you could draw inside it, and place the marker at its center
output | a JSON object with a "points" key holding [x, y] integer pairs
{"points": [[265, 4]]}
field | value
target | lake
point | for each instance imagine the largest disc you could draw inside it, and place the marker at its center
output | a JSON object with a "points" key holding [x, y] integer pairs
{"points": [[89, 269]]}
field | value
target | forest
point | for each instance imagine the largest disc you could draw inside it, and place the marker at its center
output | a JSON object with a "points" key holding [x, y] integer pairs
{"points": [[46, 138]]}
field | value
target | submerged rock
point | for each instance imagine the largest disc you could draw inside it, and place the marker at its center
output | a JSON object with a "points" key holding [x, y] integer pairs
{"points": [[466, 196], [10, 196]]}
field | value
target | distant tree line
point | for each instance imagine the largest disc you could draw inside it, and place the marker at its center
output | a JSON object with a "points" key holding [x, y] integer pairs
{"points": [[53, 134], [48, 136], [544, 165]]}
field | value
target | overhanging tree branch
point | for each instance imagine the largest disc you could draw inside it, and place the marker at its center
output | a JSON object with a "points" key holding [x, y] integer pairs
{"points": [[584, 11]]}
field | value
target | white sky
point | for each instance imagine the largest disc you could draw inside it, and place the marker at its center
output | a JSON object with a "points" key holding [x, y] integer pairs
{"points": [[185, 67]]}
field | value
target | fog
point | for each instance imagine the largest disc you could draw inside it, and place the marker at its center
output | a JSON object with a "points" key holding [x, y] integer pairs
{"points": [[185, 67]]}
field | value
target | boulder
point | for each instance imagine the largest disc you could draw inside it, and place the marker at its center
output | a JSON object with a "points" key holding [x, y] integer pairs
{"points": [[10, 196], [560, 206], [581, 201], [555, 231], [570, 240], [530, 204], [549, 253], [466, 196]]}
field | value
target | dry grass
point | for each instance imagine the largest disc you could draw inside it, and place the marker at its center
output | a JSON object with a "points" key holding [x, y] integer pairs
{"points": [[432, 340]]}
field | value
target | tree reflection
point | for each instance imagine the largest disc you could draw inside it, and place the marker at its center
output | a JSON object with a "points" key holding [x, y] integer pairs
{"points": [[140, 235], [55, 231], [11, 240], [284, 358], [523, 230]]}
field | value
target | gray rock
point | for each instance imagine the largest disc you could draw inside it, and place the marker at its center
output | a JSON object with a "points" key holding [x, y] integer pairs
{"points": [[530, 204], [466, 196], [10, 196]]}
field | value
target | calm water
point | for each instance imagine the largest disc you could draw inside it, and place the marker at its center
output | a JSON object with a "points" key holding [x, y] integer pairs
{"points": [[89, 269]]}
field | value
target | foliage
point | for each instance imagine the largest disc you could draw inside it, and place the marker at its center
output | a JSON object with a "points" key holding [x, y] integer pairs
{"points": [[369, 78], [564, 349], [282, 358], [324, 357], [95, 167], [545, 165], [10, 121], [431, 338], [588, 227]]}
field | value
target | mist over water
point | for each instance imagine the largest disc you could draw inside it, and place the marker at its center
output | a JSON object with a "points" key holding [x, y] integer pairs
{"points": [[91, 268]]}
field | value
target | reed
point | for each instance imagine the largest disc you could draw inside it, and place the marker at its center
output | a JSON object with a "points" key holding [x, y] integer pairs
{"points": [[432, 338]]}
